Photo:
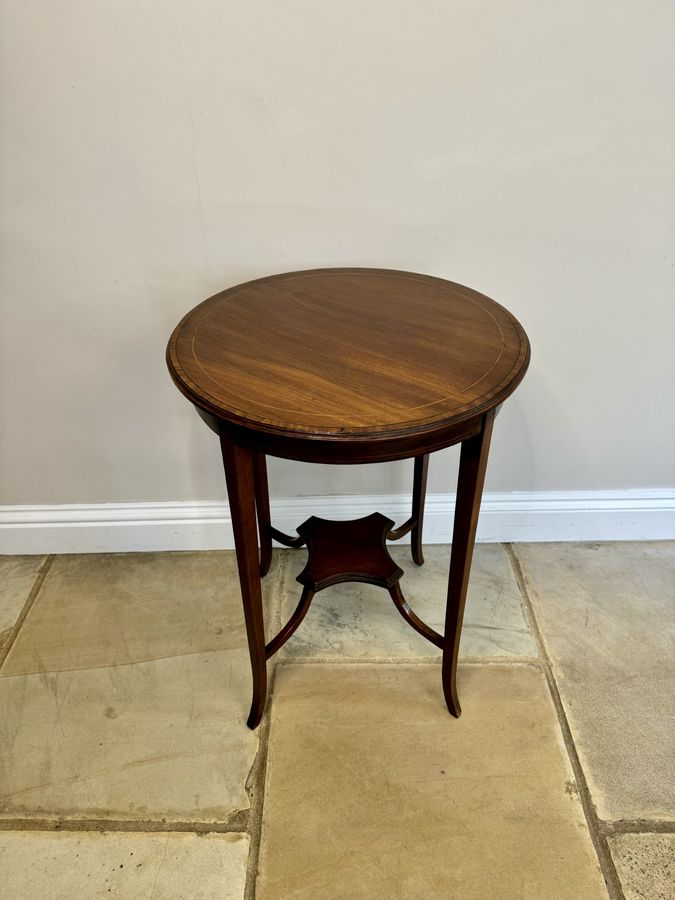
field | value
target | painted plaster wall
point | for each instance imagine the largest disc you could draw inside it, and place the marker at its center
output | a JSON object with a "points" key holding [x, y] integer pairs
{"points": [[155, 152]]}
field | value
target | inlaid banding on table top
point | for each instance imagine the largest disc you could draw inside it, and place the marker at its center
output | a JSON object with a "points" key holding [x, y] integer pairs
{"points": [[356, 350]]}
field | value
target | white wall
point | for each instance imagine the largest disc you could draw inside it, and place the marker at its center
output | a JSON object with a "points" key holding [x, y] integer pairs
{"points": [[156, 152]]}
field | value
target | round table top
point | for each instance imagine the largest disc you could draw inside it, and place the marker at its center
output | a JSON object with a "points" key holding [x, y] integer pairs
{"points": [[342, 352]]}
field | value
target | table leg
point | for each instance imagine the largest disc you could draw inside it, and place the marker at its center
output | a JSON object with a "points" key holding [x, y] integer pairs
{"points": [[240, 475], [472, 465], [419, 496], [262, 503]]}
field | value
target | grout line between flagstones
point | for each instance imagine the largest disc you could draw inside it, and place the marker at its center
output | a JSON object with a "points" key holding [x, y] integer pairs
{"points": [[255, 783], [636, 826], [240, 821], [236, 823], [593, 823], [27, 606]]}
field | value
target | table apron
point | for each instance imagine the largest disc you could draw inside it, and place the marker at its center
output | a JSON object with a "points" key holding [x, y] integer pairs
{"points": [[345, 452]]}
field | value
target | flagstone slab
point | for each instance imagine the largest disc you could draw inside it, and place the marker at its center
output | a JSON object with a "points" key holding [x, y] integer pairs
{"points": [[645, 864], [68, 866], [98, 610], [607, 616], [359, 621], [159, 740], [374, 791], [126, 692], [17, 576]]}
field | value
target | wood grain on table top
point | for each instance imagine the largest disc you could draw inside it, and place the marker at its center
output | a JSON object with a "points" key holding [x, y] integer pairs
{"points": [[347, 351]]}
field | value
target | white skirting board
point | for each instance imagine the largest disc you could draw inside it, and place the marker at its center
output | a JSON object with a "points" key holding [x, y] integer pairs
{"points": [[631, 515]]}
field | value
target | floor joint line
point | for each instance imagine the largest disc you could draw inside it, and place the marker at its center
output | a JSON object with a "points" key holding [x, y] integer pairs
{"points": [[235, 824], [256, 787], [594, 824], [636, 826], [257, 778], [26, 608]]}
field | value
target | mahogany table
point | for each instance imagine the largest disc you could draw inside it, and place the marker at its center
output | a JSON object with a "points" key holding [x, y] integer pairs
{"points": [[348, 366]]}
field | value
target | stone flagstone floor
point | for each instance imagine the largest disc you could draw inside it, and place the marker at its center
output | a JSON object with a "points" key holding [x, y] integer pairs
{"points": [[127, 770]]}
